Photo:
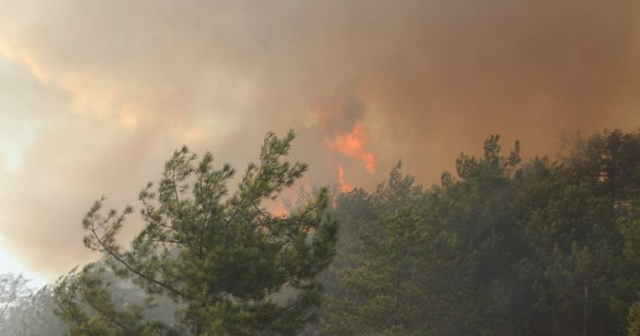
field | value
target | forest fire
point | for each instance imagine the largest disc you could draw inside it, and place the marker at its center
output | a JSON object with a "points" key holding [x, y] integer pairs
{"points": [[320, 168], [277, 208], [352, 144], [340, 122], [342, 183]]}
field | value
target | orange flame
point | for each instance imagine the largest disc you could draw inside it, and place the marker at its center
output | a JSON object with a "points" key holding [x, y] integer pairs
{"points": [[333, 115], [352, 144], [342, 183], [276, 208], [279, 210]]}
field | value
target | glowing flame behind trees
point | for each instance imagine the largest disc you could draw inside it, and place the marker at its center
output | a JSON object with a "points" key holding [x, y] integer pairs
{"points": [[342, 183], [352, 144], [340, 121]]}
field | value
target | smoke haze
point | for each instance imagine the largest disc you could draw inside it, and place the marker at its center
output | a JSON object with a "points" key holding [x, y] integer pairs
{"points": [[95, 95]]}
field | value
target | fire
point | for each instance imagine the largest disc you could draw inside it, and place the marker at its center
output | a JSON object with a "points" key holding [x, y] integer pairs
{"points": [[340, 122], [352, 144], [279, 210], [342, 183], [276, 208]]}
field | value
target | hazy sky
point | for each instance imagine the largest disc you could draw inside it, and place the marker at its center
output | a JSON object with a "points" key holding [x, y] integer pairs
{"points": [[95, 95]]}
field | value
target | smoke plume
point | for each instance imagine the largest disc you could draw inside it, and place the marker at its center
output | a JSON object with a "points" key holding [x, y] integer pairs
{"points": [[95, 95]]}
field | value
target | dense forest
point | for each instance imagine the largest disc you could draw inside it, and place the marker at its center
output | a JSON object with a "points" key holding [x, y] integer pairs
{"points": [[550, 246]]}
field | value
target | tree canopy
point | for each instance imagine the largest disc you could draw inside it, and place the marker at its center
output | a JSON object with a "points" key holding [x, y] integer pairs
{"points": [[220, 256], [548, 246], [501, 248]]}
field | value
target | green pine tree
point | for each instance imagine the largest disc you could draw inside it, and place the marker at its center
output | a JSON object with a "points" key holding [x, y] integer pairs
{"points": [[223, 259]]}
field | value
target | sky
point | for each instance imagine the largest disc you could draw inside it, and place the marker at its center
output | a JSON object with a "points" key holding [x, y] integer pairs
{"points": [[96, 95]]}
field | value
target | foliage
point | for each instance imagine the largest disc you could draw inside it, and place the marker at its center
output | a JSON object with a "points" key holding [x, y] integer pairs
{"points": [[13, 289], [544, 247], [634, 319], [27, 311], [221, 258], [504, 248]]}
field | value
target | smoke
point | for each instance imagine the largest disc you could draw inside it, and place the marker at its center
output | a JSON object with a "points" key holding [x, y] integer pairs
{"points": [[108, 88]]}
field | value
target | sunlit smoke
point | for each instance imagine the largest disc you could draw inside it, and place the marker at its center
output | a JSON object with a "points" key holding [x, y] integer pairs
{"points": [[97, 110]]}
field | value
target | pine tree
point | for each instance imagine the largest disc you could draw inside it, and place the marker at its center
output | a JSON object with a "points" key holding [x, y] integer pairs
{"points": [[409, 277], [222, 258]]}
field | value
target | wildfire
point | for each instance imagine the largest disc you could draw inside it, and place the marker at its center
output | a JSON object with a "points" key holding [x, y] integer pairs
{"points": [[340, 122], [276, 208], [352, 144], [342, 183]]}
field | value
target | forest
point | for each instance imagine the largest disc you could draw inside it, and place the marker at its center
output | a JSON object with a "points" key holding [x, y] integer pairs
{"points": [[501, 246]]}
